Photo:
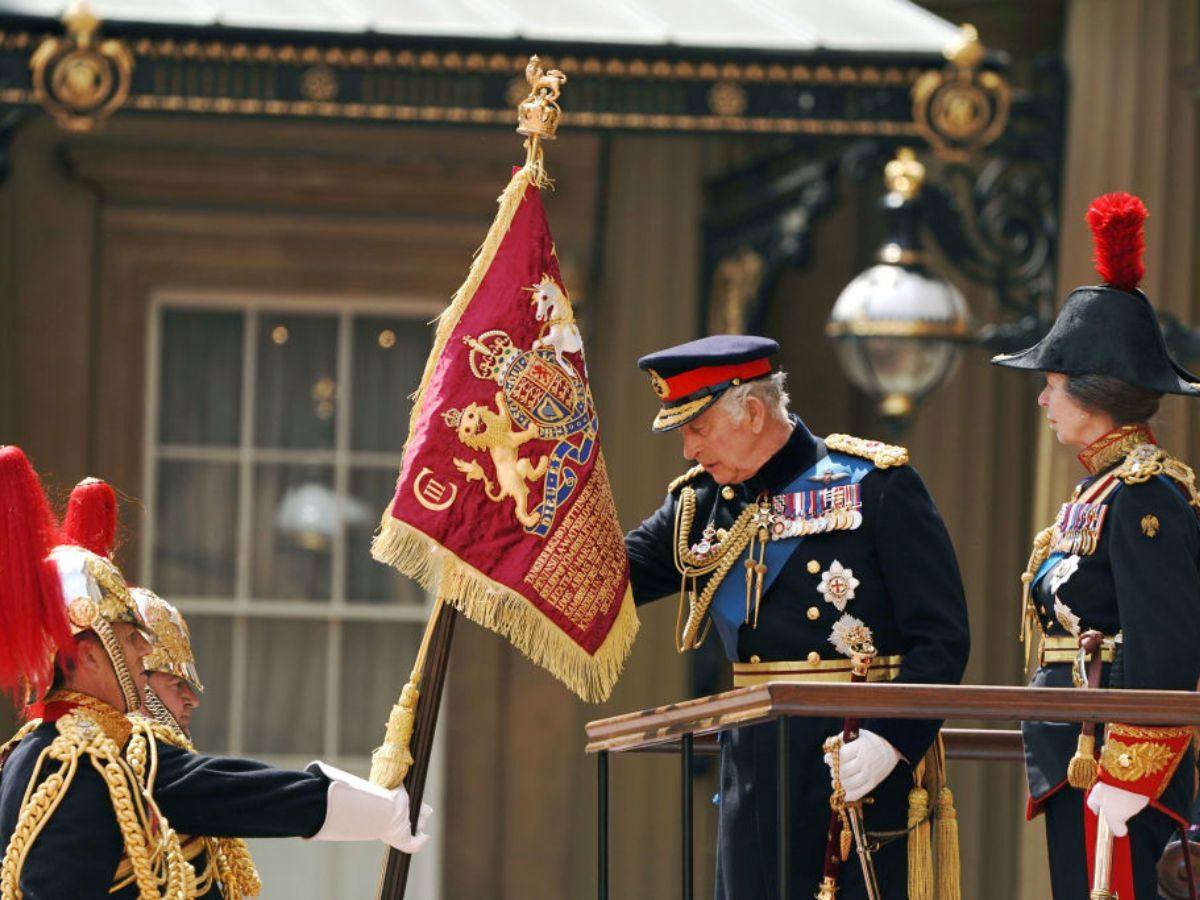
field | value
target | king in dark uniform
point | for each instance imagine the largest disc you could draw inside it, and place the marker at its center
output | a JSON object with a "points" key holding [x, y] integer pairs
{"points": [[78, 804], [789, 545], [1122, 562]]}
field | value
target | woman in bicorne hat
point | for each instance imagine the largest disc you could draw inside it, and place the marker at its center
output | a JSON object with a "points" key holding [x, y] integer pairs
{"points": [[1120, 567]]}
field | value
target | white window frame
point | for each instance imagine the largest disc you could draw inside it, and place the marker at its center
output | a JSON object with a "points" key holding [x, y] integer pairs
{"points": [[243, 607]]}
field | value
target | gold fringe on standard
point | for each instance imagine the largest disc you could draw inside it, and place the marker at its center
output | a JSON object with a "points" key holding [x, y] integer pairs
{"points": [[509, 202], [479, 598], [503, 610], [920, 847], [1083, 769]]}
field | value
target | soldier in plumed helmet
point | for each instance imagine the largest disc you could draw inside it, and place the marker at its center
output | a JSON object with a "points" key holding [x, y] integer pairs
{"points": [[799, 552], [84, 813], [1119, 568]]}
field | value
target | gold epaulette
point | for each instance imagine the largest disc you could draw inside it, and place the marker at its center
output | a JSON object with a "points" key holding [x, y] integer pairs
{"points": [[690, 475], [1149, 460], [885, 456]]}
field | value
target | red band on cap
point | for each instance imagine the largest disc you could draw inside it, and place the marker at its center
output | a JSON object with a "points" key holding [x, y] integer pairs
{"points": [[685, 383]]}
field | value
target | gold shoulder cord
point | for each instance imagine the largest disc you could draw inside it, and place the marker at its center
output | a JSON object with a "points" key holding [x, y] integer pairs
{"points": [[153, 849], [743, 533], [1148, 460], [229, 860]]}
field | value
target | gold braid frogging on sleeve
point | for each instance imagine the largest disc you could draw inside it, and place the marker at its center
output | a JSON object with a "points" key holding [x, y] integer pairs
{"points": [[155, 855], [229, 859]]}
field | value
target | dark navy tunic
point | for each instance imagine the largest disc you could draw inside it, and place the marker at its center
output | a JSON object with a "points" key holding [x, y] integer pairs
{"points": [[910, 595], [1147, 587], [77, 853]]}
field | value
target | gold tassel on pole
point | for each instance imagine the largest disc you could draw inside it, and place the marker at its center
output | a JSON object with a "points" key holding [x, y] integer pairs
{"points": [[392, 759], [920, 849]]}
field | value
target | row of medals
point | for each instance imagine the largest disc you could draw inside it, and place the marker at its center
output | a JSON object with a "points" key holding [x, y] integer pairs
{"points": [[838, 519]]}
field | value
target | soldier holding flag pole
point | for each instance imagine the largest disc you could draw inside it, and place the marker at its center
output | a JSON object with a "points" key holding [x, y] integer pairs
{"points": [[81, 813]]}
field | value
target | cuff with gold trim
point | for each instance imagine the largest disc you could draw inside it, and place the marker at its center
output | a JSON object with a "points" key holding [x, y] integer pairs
{"points": [[1141, 759]]}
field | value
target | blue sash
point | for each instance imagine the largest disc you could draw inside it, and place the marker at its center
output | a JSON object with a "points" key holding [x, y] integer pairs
{"points": [[728, 608]]}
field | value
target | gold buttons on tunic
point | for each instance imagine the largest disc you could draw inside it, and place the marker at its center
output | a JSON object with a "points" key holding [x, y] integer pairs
{"points": [[813, 614], [727, 492], [814, 657], [813, 567], [755, 658]]}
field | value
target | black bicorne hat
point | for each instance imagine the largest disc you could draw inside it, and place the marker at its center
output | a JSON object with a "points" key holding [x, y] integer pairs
{"points": [[1110, 329]]}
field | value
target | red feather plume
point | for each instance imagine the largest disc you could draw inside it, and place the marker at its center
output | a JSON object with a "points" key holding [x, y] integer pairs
{"points": [[91, 519], [1116, 221], [33, 617]]}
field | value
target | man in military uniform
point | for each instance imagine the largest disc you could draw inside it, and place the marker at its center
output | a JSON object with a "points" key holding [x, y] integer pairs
{"points": [[72, 806], [786, 543], [223, 865]]}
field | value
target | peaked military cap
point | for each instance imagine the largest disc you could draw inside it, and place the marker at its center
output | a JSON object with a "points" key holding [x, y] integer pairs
{"points": [[1110, 329], [689, 378]]}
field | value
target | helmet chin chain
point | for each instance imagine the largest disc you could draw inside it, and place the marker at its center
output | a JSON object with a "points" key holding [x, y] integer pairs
{"points": [[117, 658], [159, 711]]}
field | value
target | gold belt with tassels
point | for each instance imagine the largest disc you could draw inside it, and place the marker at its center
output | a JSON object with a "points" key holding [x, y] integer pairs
{"points": [[1063, 648], [883, 668]]}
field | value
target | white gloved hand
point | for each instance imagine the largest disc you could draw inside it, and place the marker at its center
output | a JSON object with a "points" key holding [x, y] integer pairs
{"points": [[1117, 805], [864, 763], [357, 810]]}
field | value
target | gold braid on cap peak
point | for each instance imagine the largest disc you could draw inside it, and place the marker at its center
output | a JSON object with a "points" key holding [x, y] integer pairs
{"points": [[153, 850]]}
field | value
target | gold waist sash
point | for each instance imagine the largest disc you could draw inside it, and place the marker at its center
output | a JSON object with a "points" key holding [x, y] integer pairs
{"points": [[883, 668], [1063, 648]]}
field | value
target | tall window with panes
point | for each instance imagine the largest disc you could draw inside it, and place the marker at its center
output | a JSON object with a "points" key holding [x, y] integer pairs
{"points": [[274, 432]]}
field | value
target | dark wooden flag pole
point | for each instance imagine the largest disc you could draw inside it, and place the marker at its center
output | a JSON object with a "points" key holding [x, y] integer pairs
{"points": [[394, 878]]}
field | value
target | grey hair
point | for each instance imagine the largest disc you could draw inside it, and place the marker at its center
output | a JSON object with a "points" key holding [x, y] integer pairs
{"points": [[771, 391]]}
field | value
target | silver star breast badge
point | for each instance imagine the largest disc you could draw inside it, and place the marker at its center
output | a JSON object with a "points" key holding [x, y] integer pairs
{"points": [[837, 585]]}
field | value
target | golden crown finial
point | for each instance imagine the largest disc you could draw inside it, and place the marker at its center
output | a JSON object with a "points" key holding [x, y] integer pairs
{"points": [[538, 114]]}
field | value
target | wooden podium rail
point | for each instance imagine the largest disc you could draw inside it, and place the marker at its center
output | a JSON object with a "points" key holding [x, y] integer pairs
{"points": [[691, 726]]}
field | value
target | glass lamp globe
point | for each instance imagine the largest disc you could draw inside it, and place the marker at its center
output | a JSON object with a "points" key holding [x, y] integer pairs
{"points": [[898, 332]]}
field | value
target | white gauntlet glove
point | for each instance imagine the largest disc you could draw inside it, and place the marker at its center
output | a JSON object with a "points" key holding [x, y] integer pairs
{"points": [[1117, 805], [357, 810], [864, 763]]}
